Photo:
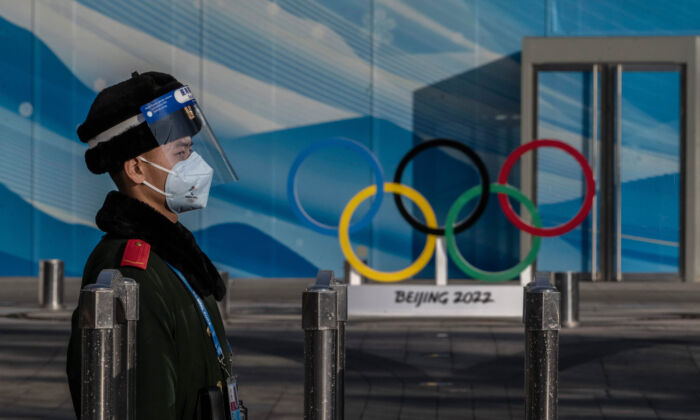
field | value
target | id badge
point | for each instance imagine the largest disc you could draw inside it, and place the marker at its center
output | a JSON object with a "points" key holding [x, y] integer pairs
{"points": [[234, 405]]}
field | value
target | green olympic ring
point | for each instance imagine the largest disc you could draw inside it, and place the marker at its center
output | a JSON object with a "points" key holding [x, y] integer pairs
{"points": [[462, 263]]}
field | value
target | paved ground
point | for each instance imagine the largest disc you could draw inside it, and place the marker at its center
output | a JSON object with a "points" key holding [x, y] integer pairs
{"points": [[636, 355]]}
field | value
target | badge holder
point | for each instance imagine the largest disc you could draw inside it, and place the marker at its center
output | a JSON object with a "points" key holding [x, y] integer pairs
{"points": [[236, 408]]}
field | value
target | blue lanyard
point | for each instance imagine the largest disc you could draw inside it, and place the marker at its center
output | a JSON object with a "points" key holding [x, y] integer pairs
{"points": [[205, 314]]}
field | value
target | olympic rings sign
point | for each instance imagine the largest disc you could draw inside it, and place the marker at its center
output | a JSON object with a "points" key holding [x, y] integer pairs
{"points": [[431, 228]]}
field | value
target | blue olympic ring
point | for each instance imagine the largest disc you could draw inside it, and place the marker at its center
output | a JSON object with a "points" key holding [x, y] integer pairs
{"points": [[293, 196]]}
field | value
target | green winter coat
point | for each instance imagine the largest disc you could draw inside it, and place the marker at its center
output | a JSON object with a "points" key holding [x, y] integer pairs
{"points": [[175, 354]]}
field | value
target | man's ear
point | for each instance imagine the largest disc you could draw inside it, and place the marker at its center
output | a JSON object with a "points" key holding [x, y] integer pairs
{"points": [[133, 170]]}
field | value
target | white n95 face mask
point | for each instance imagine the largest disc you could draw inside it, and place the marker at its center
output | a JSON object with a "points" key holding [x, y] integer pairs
{"points": [[187, 185]]}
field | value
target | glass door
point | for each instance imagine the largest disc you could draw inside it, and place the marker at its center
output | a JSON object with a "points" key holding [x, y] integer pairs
{"points": [[567, 110], [627, 120], [649, 189]]}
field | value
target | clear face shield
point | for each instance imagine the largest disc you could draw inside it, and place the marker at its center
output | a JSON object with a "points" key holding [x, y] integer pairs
{"points": [[181, 130]]}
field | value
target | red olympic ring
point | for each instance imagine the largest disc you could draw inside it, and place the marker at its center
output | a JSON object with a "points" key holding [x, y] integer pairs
{"points": [[556, 230]]}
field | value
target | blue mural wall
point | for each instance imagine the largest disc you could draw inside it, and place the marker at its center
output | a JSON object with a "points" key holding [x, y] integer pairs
{"points": [[275, 77]]}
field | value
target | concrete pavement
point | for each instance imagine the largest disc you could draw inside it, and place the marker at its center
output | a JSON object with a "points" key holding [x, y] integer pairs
{"points": [[636, 355]]}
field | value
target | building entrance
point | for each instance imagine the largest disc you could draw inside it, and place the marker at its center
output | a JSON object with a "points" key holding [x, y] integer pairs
{"points": [[623, 103]]}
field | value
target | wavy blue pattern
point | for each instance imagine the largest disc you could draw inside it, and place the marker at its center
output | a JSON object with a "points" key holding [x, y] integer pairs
{"points": [[386, 73]]}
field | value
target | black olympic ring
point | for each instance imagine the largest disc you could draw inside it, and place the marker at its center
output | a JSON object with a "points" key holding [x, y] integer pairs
{"points": [[481, 168]]}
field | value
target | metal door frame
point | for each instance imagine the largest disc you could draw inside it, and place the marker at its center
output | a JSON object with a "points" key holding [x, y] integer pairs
{"points": [[684, 52]]}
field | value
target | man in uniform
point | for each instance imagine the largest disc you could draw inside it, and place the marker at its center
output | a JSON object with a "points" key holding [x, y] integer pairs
{"points": [[149, 134]]}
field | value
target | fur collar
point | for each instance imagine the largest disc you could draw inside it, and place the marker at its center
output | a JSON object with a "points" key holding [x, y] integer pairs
{"points": [[124, 217]]}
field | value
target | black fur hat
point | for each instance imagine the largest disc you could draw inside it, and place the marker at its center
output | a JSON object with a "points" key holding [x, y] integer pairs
{"points": [[115, 105]]}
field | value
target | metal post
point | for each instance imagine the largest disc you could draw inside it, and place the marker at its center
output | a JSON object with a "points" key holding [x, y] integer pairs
{"points": [[352, 277], [594, 163], [608, 175], [109, 312], [96, 319], [51, 284], [320, 323], [342, 317], [126, 294], [541, 309], [618, 173], [440, 262], [526, 276], [568, 285], [131, 289], [224, 304]]}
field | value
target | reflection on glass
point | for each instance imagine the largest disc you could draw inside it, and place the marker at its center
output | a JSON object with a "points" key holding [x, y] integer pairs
{"points": [[564, 113], [650, 171]]}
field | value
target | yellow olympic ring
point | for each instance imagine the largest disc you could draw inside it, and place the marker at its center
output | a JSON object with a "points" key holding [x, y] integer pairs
{"points": [[344, 234]]}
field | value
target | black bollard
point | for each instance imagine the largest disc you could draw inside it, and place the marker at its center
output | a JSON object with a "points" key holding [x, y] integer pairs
{"points": [[51, 284], [568, 285], [96, 312], [126, 313], [109, 313], [342, 317], [541, 308], [320, 323]]}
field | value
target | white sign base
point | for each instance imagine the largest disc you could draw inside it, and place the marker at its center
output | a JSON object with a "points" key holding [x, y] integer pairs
{"points": [[397, 300]]}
